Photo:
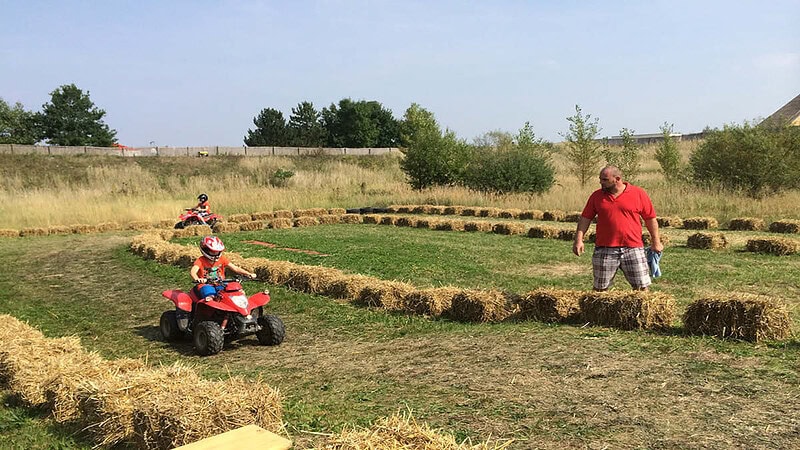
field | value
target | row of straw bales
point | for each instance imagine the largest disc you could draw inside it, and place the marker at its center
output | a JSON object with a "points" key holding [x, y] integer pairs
{"points": [[627, 310], [125, 400]]}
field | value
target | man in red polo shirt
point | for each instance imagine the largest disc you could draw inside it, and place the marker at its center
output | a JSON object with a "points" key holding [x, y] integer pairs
{"points": [[619, 207]]}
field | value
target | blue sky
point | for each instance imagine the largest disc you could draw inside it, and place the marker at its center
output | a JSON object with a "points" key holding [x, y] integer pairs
{"points": [[191, 73]]}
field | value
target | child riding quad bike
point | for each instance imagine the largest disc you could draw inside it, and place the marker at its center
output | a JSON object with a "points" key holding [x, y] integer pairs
{"points": [[199, 215], [217, 308]]}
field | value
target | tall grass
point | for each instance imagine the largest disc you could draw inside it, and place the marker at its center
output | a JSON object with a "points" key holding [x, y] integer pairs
{"points": [[44, 191]]}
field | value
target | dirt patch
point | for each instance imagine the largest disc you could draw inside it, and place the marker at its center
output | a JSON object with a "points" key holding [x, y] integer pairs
{"points": [[288, 249]]}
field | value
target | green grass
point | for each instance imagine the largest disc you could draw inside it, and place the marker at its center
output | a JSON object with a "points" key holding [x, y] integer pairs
{"points": [[542, 385]]}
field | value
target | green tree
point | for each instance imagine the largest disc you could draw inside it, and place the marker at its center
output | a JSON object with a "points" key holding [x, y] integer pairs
{"points": [[359, 124], [667, 154], [626, 158], [71, 118], [584, 152], [17, 126], [270, 130], [431, 157], [304, 127]]}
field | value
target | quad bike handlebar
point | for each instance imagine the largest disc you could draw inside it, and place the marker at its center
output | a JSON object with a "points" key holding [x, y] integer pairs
{"points": [[225, 280]]}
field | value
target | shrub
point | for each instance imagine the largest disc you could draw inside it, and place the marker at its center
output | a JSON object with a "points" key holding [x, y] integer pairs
{"points": [[280, 177], [667, 154]]}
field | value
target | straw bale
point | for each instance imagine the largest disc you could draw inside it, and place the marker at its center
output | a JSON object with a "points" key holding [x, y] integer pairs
{"points": [[5, 232], [592, 237], [389, 220], [543, 232], [550, 305], [431, 302], [312, 279], [568, 235], [470, 211], [226, 227], [307, 221], [707, 241], [283, 214], [33, 231], [280, 223], [310, 212], [450, 225], [669, 222], [628, 310], [405, 209], [739, 316], [182, 233], [419, 209], [389, 295], [437, 209], [262, 215], [785, 226], [139, 225], [775, 246], [553, 215], [59, 229], [349, 287], [511, 213], [169, 255], [252, 225], [337, 211], [372, 219], [665, 240], [406, 222], [165, 223], [489, 212], [108, 226], [531, 214], [746, 224], [329, 219], [509, 228], [574, 217], [200, 230], [397, 433], [240, 218], [482, 306], [275, 272], [453, 210], [427, 223], [352, 218], [166, 234], [700, 223], [478, 225], [392, 209], [186, 256]]}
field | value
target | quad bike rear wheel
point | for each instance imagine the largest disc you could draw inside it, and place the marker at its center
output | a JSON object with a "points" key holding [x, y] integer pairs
{"points": [[168, 326], [208, 338], [272, 330], [179, 226]]}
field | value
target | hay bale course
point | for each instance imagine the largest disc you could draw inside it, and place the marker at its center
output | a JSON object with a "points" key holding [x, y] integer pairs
{"points": [[372, 219], [226, 227], [628, 310], [509, 228], [273, 272], [33, 231], [312, 279], [700, 223], [738, 316], [450, 225], [785, 226], [746, 224], [554, 215], [550, 305], [306, 221], [389, 295], [349, 286], [453, 210], [478, 225], [140, 225], [330, 219], [110, 226], [531, 214], [543, 232], [665, 240], [240, 218], [59, 229], [669, 222], [352, 218], [6, 232], [472, 305], [252, 225], [389, 220], [336, 211], [569, 235], [573, 217], [707, 241], [488, 212], [262, 215], [432, 302], [427, 223], [283, 214], [511, 213], [310, 212], [775, 246], [438, 210], [407, 222], [470, 211], [281, 222]]}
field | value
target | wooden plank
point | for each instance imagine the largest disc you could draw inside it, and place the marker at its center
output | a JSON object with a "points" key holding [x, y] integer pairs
{"points": [[249, 437]]}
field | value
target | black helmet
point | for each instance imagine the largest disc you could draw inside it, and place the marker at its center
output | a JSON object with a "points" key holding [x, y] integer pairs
{"points": [[202, 198]]}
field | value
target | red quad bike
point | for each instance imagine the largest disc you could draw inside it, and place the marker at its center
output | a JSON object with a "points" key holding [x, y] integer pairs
{"points": [[230, 315], [194, 217]]}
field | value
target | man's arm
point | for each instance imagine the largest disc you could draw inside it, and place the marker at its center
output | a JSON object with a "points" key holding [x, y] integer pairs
{"points": [[583, 226], [655, 238]]}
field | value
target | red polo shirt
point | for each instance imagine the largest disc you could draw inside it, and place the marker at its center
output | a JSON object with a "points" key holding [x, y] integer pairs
{"points": [[619, 219]]}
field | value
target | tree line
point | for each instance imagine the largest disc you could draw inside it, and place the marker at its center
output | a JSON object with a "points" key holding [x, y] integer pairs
{"points": [[756, 160]]}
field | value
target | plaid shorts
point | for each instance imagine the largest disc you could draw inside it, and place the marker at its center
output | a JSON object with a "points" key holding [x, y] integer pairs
{"points": [[632, 261]]}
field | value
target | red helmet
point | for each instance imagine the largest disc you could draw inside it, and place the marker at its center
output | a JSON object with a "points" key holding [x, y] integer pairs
{"points": [[212, 247]]}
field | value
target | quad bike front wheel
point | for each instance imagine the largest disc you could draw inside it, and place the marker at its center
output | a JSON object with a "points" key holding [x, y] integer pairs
{"points": [[168, 326], [272, 330], [208, 338]]}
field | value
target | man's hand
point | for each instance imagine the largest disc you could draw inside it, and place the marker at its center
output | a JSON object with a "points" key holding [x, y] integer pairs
{"points": [[577, 248], [657, 246]]}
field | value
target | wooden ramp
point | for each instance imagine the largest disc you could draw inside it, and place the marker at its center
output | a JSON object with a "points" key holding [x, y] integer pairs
{"points": [[249, 437]]}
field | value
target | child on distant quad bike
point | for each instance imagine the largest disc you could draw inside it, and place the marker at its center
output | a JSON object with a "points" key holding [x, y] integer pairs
{"points": [[211, 267], [202, 205]]}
